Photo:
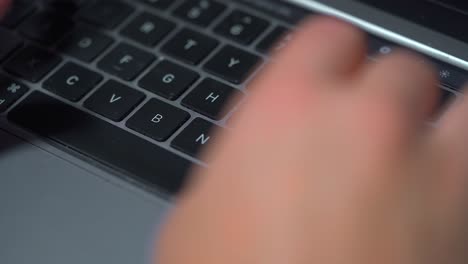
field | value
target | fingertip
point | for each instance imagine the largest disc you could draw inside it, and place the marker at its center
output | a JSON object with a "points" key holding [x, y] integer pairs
{"points": [[424, 74], [417, 64], [325, 47], [406, 77]]}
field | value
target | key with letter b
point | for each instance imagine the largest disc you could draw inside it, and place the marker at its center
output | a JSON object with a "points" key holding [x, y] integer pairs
{"points": [[158, 120]]}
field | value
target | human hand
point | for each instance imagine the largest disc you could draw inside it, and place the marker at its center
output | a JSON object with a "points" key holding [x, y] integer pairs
{"points": [[330, 161]]}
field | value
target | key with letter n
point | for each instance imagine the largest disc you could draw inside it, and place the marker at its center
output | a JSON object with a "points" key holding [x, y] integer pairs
{"points": [[195, 137]]}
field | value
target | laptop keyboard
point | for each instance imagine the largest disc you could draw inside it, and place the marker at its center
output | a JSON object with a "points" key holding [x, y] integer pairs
{"points": [[138, 86]]}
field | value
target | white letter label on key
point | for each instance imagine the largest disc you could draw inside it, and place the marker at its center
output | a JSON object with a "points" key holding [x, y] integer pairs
{"points": [[236, 30], [157, 118], [194, 13], [233, 62], [190, 44], [147, 27], [114, 98], [85, 43], [72, 80], [203, 139], [212, 97], [168, 78], [126, 59]]}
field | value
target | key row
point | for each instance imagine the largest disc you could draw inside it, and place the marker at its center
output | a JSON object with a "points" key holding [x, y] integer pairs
{"points": [[187, 46], [128, 62], [156, 119], [124, 61], [108, 144], [166, 79], [149, 29], [115, 101], [239, 26], [49, 25]]}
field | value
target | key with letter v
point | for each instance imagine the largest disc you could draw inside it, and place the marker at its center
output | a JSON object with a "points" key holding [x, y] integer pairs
{"points": [[114, 100]]}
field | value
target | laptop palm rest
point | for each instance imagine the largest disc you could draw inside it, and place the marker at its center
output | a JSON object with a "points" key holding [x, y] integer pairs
{"points": [[54, 212]]}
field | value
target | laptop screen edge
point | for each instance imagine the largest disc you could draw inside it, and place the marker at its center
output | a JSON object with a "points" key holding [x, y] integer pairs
{"points": [[393, 28]]}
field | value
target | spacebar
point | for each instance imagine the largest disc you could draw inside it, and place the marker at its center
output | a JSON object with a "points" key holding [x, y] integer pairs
{"points": [[101, 141]]}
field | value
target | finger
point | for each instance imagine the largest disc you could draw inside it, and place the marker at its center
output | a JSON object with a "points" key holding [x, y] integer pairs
{"points": [[397, 94], [315, 57], [317, 50], [447, 153]]}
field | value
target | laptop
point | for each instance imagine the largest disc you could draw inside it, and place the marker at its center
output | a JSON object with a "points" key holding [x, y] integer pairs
{"points": [[106, 104]]}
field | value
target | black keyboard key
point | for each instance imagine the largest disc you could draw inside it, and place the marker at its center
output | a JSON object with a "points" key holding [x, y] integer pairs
{"points": [[85, 44], [451, 76], [126, 61], [17, 13], [68, 7], [46, 27], [106, 13], [200, 12], [210, 98], [232, 64], [32, 63], [380, 47], [195, 137], [242, 27], [148, 29], [9, 43], [168, 80], [99, 140], [72, 82], [189, 46], [274, 41], [114, 100], [158, 120], [10, 92], [159, 4]]}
